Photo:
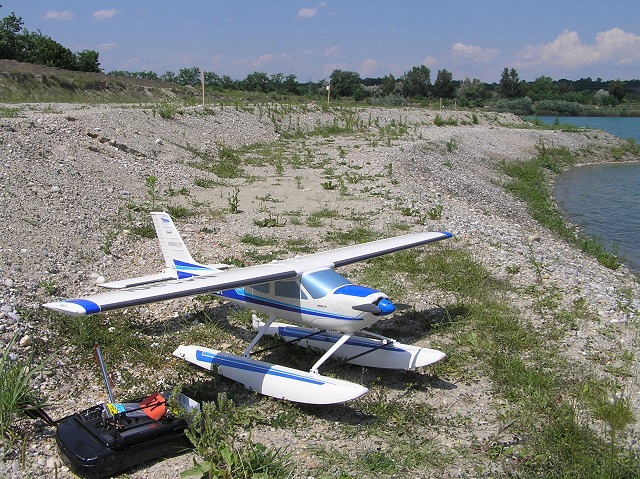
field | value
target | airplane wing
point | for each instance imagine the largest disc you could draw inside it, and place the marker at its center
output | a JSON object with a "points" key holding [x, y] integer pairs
{"points": [[238, 277], [152, 293], [362, 252]]}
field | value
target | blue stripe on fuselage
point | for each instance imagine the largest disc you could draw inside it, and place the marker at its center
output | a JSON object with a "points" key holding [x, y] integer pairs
{"points": [[252, 366], [239, 294], [355, 290]]}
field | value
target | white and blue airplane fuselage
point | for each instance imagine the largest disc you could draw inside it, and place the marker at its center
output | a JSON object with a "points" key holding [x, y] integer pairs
{"points": [[320, 299]]}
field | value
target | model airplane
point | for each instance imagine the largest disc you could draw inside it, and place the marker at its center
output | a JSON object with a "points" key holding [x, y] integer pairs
{"points": [[304, 290]]}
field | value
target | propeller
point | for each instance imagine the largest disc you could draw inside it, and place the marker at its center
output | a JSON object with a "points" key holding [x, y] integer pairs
{"points": [[402, 306], [367, 308], [382, 307]]}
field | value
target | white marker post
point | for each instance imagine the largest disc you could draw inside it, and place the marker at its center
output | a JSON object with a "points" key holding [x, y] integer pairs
{"points": [[328, 93], [202, 76]]}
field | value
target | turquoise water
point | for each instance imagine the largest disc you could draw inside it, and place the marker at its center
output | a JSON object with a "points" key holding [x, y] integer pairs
{"points": [[604, 200], [624, 128]]}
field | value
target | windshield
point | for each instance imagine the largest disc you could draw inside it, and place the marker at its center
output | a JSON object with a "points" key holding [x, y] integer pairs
{"points": [[321, 283]]}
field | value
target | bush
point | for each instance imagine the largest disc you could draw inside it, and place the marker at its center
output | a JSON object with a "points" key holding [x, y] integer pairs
{"points": [[518, 106], [558, 107]]}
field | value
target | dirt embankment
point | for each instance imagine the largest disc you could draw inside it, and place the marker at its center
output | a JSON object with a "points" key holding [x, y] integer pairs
{"points": [[30, 82]]}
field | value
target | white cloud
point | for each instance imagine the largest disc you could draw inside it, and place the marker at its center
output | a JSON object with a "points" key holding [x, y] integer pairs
{"points": [[429, 61], [101, 15], [311, 12], [332, 51], [474, 53], [368, 66], [567, 51], [107, 46], [269, 61], [267, 57], [307, 12], [53, 15]]}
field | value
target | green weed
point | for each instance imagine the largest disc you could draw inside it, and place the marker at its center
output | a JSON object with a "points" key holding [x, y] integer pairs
{"points": [[214, 433], [529, 183], [17, 391]]}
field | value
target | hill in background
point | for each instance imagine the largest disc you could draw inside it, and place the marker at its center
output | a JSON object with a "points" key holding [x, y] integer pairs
{"points": [[24, 82]]}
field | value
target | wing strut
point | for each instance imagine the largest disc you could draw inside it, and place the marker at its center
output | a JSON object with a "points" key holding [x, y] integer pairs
{"points": [[343, 339], [263, 329]]}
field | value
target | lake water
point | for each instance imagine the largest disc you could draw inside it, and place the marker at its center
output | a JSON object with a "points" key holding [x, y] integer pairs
{"points": [[604, 200]]}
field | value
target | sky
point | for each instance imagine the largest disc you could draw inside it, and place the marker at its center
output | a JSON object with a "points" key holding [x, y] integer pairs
{"points": [[570, 39]]}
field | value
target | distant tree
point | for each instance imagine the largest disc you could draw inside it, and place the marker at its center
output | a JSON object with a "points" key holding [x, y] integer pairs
{"points": [[290, 84], [257, 81], [211, 79], [189, 76], [542, 88], [603, 97], [388, 84], [417, 82], [564, 86], [346, 83], [87, 61], [228, 83], [10, 26], [472, 93], [443, 87], [618, 89], [43, 50], [510, 85], [276, 82], [169, 76]]}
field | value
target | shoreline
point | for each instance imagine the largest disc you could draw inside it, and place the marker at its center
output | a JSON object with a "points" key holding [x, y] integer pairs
{"points": [[73, 174]]}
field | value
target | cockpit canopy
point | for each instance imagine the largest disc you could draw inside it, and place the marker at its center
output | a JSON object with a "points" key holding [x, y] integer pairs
{"points": [[320, 283]]}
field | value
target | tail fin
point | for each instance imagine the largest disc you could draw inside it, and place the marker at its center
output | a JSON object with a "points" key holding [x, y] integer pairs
{"points": [[178, 261], [173, 248], [176, 255]]}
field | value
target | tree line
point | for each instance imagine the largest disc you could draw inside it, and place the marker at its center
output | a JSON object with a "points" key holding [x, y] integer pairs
{"points": [[415, 84], [543, 95]]}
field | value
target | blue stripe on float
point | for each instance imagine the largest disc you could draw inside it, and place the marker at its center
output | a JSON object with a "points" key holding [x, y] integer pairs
{"points": [[251, 366]]}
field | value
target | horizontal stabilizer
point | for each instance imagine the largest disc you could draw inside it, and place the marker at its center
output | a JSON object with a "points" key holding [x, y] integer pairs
{"points": [[271, 379], [139, 281], [370, 352]]}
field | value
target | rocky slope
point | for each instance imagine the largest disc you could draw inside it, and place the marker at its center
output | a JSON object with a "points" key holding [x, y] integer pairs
{"points": [[75, 178]]}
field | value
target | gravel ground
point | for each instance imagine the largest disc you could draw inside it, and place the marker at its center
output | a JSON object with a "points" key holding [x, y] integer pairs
{"points": [[69, 173]]}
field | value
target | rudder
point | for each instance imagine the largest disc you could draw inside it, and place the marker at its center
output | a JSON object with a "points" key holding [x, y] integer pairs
{"points": [[171, 244]]}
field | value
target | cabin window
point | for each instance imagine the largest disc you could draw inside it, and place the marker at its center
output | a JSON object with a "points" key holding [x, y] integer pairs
{"points": [[261, 288], [321, 283], [289, 289]]}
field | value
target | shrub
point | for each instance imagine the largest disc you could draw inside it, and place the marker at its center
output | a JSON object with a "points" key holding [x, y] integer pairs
{"points": [[558, 107], [519, 106], [389, 100]]}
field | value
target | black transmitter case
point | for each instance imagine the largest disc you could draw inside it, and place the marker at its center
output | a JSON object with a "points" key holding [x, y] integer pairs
{"points": [[102, 442]]}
